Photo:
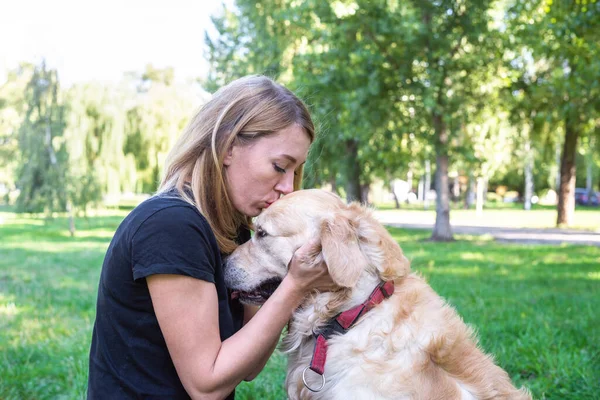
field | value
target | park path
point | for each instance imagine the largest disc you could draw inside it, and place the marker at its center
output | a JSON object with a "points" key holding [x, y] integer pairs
{"points": [[503, 234]]}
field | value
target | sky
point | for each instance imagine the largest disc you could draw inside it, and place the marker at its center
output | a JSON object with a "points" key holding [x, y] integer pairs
{"points": [[91, 40]]}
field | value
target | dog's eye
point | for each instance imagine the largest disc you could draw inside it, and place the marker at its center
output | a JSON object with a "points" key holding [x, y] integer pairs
{"points": [[261, 233]]}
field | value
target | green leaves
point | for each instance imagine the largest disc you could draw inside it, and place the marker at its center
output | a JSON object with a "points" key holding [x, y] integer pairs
{"points": [[43, 165], [374, 71]]}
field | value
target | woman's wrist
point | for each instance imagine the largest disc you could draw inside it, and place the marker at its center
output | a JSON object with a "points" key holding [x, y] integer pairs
{"points": [[293, 289]]}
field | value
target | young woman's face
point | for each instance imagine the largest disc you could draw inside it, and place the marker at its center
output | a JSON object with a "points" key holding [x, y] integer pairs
{"points": [[259, 173]]}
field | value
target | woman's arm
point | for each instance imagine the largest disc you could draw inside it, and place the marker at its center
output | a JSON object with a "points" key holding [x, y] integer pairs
{"points": [[187, 312], [249, 312]]}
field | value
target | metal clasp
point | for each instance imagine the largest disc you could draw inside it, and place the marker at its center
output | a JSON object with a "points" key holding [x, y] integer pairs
{"points": [[306, 383]]}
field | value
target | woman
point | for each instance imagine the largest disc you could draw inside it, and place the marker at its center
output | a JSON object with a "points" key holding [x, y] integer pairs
{"points": [[165, 325]]}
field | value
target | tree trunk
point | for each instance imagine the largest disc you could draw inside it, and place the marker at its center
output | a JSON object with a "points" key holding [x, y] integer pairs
{"points": [[334, 187], [364, 193], [427, 184], [470, 194], [480, 198], [589, 172], [528, 175], [353, 189], [71, 219], [557, 158], [566, 193], [48, 142], [456, 189], [442, 230], [588, 180], [392, 189]]}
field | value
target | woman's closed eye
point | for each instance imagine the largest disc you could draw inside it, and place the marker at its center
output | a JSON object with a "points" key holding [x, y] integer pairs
{"points": [[279, 169], [282, 170]]}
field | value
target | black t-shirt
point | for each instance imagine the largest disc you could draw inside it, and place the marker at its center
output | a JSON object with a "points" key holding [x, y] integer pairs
{"points": [[129, 358]]}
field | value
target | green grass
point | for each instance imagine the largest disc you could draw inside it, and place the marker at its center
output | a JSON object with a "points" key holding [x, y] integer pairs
{"points": [[535, 307]]}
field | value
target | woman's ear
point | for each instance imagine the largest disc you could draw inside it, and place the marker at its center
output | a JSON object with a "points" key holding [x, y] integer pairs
{"points": [[341, 250], [229, 156]]}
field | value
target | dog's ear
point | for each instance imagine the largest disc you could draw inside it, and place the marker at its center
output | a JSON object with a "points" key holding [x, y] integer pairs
{"points": [[341, 250]]}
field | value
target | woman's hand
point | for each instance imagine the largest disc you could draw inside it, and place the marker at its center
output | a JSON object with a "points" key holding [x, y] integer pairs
{"points": [[308, 270]]}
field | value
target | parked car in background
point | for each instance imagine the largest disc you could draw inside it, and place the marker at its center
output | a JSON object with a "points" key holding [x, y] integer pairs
{"points": [[582, 198]]}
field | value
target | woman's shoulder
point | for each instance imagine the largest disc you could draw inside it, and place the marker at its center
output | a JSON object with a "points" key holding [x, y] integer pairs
{"points": [[166, 210], [170, 205], [162, 200]]}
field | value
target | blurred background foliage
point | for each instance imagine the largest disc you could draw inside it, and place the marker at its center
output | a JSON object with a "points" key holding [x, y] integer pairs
{"points": [[462, 97]]}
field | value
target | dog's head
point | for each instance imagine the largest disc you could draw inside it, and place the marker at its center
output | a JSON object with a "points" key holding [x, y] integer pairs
{"points": [[353, 244]]}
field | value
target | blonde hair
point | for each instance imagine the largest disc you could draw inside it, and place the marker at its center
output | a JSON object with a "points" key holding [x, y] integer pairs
{"points": [[238, 113]]}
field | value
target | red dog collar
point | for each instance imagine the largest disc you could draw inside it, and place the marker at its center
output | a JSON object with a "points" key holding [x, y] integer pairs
{"points": [[344, 321]]}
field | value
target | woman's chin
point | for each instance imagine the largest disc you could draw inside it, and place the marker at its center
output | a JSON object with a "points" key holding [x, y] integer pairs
{"points": [[248, 210], [252, 212]]}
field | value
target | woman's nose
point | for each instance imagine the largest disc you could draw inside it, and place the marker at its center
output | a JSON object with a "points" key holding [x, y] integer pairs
{"points": [[285, 184]]}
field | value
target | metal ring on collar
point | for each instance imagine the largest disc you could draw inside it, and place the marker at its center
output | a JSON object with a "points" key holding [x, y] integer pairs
{"points": [[306, 384]]}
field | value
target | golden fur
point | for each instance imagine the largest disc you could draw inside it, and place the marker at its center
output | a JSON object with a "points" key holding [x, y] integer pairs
{"points": [[411, 346]]}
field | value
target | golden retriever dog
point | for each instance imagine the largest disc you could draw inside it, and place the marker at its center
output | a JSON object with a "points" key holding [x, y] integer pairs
{"points": [[385, 335]]}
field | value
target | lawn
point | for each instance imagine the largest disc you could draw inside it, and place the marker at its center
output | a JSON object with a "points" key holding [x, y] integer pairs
{"points": [[535, 307]]}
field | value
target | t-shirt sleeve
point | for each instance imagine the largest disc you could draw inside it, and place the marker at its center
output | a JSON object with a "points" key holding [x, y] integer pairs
{"points": [[174, 240]]}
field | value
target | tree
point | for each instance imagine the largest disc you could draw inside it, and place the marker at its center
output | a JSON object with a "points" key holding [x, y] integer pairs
{"points": [[252, 39], [332, 53], [12, 110], [568, 50], [43, 164], [525, 99], [95, 138], [152, 124], [456, 51]]}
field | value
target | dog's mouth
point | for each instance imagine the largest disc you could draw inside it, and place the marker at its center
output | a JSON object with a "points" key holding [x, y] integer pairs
{"points": [[259, 295]]}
